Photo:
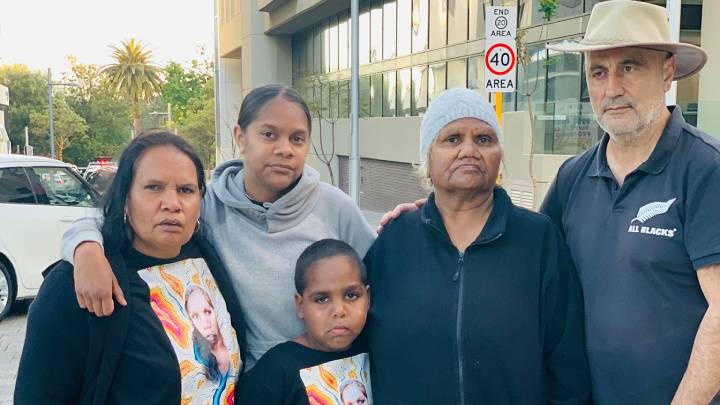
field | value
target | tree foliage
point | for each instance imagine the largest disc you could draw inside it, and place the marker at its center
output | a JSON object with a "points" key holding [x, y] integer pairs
{"points": [[68, 126], [28, 94]]}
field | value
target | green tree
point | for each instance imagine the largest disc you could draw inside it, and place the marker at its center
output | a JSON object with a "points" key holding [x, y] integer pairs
{"points": [[69, 126], [107, 117], [133, 76], [186, 89], [28, 94], [199, 131]]}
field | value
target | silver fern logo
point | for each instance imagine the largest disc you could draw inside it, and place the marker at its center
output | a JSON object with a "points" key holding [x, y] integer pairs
{"points": [[652, 210], [648, 211]]}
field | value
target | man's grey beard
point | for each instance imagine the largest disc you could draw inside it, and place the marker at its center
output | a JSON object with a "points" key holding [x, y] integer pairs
{"points": [[635, 136]]}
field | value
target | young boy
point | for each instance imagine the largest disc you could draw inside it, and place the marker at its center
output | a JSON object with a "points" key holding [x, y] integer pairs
{"points": [[322, 366]]}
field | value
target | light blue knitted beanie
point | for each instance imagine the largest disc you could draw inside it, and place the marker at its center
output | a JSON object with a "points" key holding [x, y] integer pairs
{"points": [[452, 105]]}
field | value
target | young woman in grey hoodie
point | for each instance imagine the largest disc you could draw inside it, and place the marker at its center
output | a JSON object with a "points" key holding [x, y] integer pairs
{"points": [[259, 213]]}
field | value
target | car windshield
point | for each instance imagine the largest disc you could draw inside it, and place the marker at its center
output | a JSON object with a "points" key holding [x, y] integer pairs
{"points": [[60, 186]]}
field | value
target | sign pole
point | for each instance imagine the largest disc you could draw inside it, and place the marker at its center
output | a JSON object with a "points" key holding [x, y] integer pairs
{"points": [[498, 107]]}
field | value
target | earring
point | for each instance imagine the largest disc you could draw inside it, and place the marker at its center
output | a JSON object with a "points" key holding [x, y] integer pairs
{"points": [[125, 219], [197, 226]]}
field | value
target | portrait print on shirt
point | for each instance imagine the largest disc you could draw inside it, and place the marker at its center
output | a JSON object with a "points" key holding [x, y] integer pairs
{"points": [[339, 382], [188, 304]]}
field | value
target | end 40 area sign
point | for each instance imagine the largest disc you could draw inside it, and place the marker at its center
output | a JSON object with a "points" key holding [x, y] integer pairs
{"points": [[500, 54]]}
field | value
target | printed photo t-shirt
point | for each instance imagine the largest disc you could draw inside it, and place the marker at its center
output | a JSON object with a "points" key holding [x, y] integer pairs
{"points": [[292, 374], [180, 343]]}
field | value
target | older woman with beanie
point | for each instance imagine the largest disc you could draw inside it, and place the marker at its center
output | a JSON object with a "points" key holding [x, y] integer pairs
{"points": [[475, 300]]}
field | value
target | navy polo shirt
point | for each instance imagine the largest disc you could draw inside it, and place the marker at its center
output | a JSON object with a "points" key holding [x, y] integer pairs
{"points": [[637, 249]]}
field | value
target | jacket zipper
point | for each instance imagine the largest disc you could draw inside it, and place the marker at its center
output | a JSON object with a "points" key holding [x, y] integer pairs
{"points": [[458, 277]]}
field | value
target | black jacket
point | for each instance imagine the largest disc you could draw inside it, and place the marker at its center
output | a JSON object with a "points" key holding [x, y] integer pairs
{"points": [[79, 368], [500, 323]]}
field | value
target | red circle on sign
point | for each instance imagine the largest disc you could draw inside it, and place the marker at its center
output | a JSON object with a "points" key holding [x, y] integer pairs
{"points": [[512, 60]]}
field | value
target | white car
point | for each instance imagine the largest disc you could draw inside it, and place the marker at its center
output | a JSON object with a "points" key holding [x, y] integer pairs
{"points": [[39, 199]]}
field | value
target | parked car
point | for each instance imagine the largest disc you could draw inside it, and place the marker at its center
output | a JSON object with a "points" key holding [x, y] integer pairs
{"points": [[96, 164], [101, 178], [39, 198]]}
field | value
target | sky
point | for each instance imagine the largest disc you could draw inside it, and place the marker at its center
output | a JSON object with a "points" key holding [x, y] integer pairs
{"points": [[41, 33]]}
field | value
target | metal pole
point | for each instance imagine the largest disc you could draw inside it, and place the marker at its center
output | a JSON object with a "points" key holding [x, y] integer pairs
{"points": [[354, 103], [673, 8], [27, 140], [50, 109], [218, 149]]}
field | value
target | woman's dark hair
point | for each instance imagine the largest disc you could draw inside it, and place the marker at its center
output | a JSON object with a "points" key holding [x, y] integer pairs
{"points": [[324, 249], [258, 97], [116, 234]]}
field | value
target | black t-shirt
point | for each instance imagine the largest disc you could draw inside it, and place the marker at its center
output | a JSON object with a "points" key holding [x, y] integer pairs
{"points": [[276, 378], [160, 333]]}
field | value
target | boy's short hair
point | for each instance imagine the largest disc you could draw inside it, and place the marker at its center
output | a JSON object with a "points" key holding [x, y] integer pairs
{"points": [[324, 249]]}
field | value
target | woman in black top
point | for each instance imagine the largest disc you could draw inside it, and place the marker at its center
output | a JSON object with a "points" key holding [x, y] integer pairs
{"points": [[475, 300], [179, 339]]}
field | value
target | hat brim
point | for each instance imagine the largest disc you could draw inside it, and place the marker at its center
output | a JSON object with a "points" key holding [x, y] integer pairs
{"points": [[690, 58]]}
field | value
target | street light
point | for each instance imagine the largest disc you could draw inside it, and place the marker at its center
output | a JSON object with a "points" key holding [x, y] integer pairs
{"points": [[50, 109]]}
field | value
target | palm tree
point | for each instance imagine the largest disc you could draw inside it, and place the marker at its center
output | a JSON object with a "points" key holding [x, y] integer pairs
{"points": [[133, 77]]}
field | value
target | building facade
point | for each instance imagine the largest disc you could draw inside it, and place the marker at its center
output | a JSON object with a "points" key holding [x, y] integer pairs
{"points": [[410, 51]]}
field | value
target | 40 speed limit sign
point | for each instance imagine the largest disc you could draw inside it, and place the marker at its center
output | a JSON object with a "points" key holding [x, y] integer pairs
{"points": [[500, 54]]}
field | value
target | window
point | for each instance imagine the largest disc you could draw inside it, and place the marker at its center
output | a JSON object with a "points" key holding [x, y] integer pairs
{"points": [[457, 74], [458, 21], [404, 27], [476, 73], [364, 32], [589, 4], [319, 48], [333, 45], [376, 95], [389, 28], [309, 53], [344, 99], [436, 81], [61, 187], [476, 23], [533, 80], [389, 94], [420, 23], [404, 93], [438, 23], [419, 90], [344, 42], [333, 102], [364, 96], [15, 187], [376, 31]]}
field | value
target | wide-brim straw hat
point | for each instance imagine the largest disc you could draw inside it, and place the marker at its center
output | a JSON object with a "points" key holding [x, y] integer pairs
{"points": [[627, 23]]}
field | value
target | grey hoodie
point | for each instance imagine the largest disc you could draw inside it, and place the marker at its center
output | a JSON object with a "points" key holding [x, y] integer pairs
{"points": [[259, 246]]}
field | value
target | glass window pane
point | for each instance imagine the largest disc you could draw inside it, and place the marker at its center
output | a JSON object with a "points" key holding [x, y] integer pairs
{"points": [[376, 31], [344, 99], [62, 187], [364, 40], [436, 81], [419, 89], [344, 42], [364, 96], [15, 187], [532, 80], [404, 27], [326, 45], [389, 91], [457, 74], [404, 93], [589, 4], [458, 21], [319, 49], [389, 28], [438, 23], [333, 44], [420, 21], [309, 53], [333, 102], [376, 95], [297, 52], [476, 27], [476, 73]]}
